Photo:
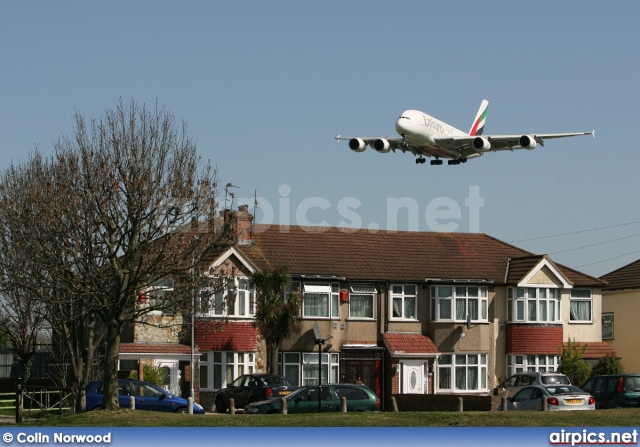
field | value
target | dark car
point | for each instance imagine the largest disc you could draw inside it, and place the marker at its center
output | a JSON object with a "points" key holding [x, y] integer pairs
{"points": [[253, 388], [147, 397], [305, 400], [615, 390]]}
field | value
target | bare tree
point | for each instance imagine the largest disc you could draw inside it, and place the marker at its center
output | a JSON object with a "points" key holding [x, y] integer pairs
{"points": [[124, 202]]}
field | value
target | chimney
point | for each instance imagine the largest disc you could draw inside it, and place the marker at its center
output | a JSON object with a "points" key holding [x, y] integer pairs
{"points": [[244, 225]]}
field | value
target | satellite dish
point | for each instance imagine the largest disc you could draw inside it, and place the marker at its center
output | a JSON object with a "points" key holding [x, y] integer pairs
{"points": [[316, 331]]}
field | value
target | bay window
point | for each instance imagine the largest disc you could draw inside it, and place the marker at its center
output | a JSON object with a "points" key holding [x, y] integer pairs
{"points": [[533, 305], [236, 298], [542, 363], [218, 369]]}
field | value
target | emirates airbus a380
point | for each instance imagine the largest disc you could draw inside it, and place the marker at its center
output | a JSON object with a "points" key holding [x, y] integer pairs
{"points": [[424, 135]]}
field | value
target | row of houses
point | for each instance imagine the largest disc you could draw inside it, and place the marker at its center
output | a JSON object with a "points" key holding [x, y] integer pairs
{"points": [[403, 312]]}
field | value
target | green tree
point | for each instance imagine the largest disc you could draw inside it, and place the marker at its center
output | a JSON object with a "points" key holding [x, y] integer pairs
{"points": [[608, 365], [275, 316], [572, 363]]}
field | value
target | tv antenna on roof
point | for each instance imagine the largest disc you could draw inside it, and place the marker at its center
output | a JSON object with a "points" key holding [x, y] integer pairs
{"points": [[227, 193]]}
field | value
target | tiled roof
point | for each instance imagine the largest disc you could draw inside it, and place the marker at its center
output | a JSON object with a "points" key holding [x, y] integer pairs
{"points": [[409, 344], [627, 277], [154, 348], [388, 255], [520, 267], [597, 350], [226, 336]]}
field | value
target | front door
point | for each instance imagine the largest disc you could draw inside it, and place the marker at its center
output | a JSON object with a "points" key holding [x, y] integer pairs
{"points": [[412, 377], [171, 371]]}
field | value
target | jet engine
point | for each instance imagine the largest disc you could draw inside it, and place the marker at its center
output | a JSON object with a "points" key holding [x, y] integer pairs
{"points": [[357, 145], [481, 144], [382, 145], [528, 142]]}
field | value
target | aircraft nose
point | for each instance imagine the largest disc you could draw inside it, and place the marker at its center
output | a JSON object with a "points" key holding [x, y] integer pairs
{"points": [[401, 125]]}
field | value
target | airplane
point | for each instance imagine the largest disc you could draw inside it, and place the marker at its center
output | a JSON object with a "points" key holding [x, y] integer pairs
{"points": [[424, 135]]}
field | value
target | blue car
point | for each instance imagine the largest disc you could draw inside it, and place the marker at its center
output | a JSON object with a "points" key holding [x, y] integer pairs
{"points": [[147, 397]]}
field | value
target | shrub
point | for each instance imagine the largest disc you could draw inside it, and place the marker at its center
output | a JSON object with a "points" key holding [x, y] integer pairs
{"points": [[572, 364], [153, 374], [608, 365]]}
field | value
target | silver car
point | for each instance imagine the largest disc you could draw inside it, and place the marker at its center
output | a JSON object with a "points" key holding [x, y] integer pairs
{"points": [[558, 397], [519, 380]]}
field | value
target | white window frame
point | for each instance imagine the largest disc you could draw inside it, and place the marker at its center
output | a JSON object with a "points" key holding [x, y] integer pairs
{"points": [[542, 363], [401, 296], [330, 310], [223, 367], [577, 299], [237, 301], [155, 293], [445, 302], [607, 320], [309, 368], [534, 305], [454, 367], [365, 292]]}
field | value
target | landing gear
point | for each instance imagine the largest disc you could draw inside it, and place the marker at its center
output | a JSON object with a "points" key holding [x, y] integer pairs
{"points": [[457, 161], [436, 162], [420, 160]]}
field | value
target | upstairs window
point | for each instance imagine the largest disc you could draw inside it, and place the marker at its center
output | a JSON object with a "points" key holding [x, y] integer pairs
{"points": [[321, 300], [235, 299], [403, 302], [533, 305], [160, 297], [580, 306], [361, 299], [456, 303]]}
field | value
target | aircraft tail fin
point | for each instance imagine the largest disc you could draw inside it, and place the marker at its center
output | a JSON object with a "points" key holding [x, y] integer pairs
{"points": [[478, 123]]}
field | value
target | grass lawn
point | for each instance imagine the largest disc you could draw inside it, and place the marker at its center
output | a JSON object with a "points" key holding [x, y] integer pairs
{"points": [[621, 417]]}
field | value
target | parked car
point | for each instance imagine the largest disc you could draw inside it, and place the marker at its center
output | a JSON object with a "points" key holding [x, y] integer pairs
{"points": [[147, 397], [305, 400], [253, 388], [519, 380], [558, 397], [615, 390]]}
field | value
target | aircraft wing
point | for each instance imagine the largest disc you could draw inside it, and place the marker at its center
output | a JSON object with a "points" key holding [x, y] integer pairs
{"points": [[465, 144]]}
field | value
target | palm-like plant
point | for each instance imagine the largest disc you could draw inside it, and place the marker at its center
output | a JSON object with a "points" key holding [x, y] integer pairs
{"points": [[275, 316]]}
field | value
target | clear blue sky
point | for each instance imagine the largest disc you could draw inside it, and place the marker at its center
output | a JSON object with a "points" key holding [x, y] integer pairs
{"points": [[265, 86]]}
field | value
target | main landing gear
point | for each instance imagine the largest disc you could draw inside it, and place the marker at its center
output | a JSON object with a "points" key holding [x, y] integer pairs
{"points": [[437, 161]]}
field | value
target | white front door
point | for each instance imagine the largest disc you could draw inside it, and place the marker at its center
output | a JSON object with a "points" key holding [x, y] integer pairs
{"points": [[171, 375], [412, 377]]}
